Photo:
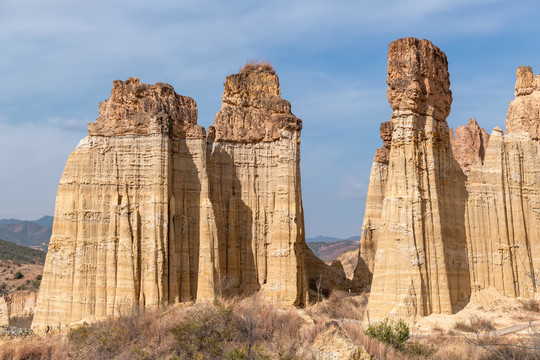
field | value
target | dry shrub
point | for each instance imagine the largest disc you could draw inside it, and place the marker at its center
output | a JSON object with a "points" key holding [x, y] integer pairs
{"points": [[457, 348], [256, 65], [340, 305], [530, 305], [34, 349], [475, 324], [276, 330]]}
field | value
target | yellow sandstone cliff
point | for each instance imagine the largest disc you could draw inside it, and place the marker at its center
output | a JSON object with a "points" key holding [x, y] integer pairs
{"points": [[254, 172], [419, 265], [132, 221], [448, 215], [150, 210], [503, 207]]}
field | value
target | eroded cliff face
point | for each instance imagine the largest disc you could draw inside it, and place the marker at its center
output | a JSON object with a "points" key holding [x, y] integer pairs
{"points": [[363, 273], [4, 311], [254, 172], [503, 207], [132, 219], [420, 265], [22, 303], [448, 215], [151, 210]]}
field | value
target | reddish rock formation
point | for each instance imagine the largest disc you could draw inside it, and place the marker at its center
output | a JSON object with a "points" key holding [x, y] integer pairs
{"points": [[524, 111], [469, 145], [503, 207]]}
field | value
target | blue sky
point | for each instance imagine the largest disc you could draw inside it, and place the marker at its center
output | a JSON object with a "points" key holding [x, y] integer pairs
{"points": [[58, 60]]}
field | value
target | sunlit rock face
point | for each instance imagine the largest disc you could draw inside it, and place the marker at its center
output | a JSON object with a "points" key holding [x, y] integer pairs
{"points": [[4, 311], [132, 218], [449, 214], [503, 207], [254, 172], [412, 237], [151, 210]]}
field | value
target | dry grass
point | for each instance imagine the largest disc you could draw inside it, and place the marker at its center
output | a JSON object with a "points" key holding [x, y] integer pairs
{"points": [[340, 305], [256, 65], [232, 329], [475, 324], [530, 305]]}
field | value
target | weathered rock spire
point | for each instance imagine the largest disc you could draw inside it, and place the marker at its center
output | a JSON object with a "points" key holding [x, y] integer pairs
{"points": [[421, 190], [255, 187]]}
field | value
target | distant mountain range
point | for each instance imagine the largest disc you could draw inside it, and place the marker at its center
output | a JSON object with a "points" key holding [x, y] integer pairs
{"points": [[321, 238], [35, 234], [329, 248]]}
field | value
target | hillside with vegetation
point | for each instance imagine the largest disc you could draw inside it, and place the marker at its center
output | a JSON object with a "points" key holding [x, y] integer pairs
{"points": [[21, 254]]}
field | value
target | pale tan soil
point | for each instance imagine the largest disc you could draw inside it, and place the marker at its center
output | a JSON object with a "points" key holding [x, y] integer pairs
{"points": [[501, 311]]}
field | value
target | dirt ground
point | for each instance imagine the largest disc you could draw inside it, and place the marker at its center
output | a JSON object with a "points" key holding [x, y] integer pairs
{"points": [[487, 306], [31, 275]]}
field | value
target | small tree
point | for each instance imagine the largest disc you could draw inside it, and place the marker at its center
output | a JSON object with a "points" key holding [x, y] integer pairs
{"points": [[18, 275], [393, 333]]}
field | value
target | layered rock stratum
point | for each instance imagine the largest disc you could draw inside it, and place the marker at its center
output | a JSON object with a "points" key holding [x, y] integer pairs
{"points": [[419, 265], [503, 206], [254, 172], [448, 215], [150, 210]]}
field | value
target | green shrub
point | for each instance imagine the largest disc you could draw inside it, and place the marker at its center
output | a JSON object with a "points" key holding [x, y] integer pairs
{"points": [[393, 333], [18, 275]]}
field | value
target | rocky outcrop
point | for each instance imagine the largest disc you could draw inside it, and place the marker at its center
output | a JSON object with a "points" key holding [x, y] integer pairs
{"points": [[503, 207], [524, 111], [133, 221], [4, 311], [324, 278], [420, 264], [153, 210], [335, 343], [435, 231], [469, 145], [22, 303], [254, 172]]}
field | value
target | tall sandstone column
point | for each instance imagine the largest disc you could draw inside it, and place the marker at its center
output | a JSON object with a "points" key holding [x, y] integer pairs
{"points": [[132, 220], [503, 208], [420, 265], [254, 172]]}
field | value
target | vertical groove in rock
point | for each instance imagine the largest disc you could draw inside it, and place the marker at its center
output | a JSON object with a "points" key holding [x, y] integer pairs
{"points": [[504, 199], [128, 210]]}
